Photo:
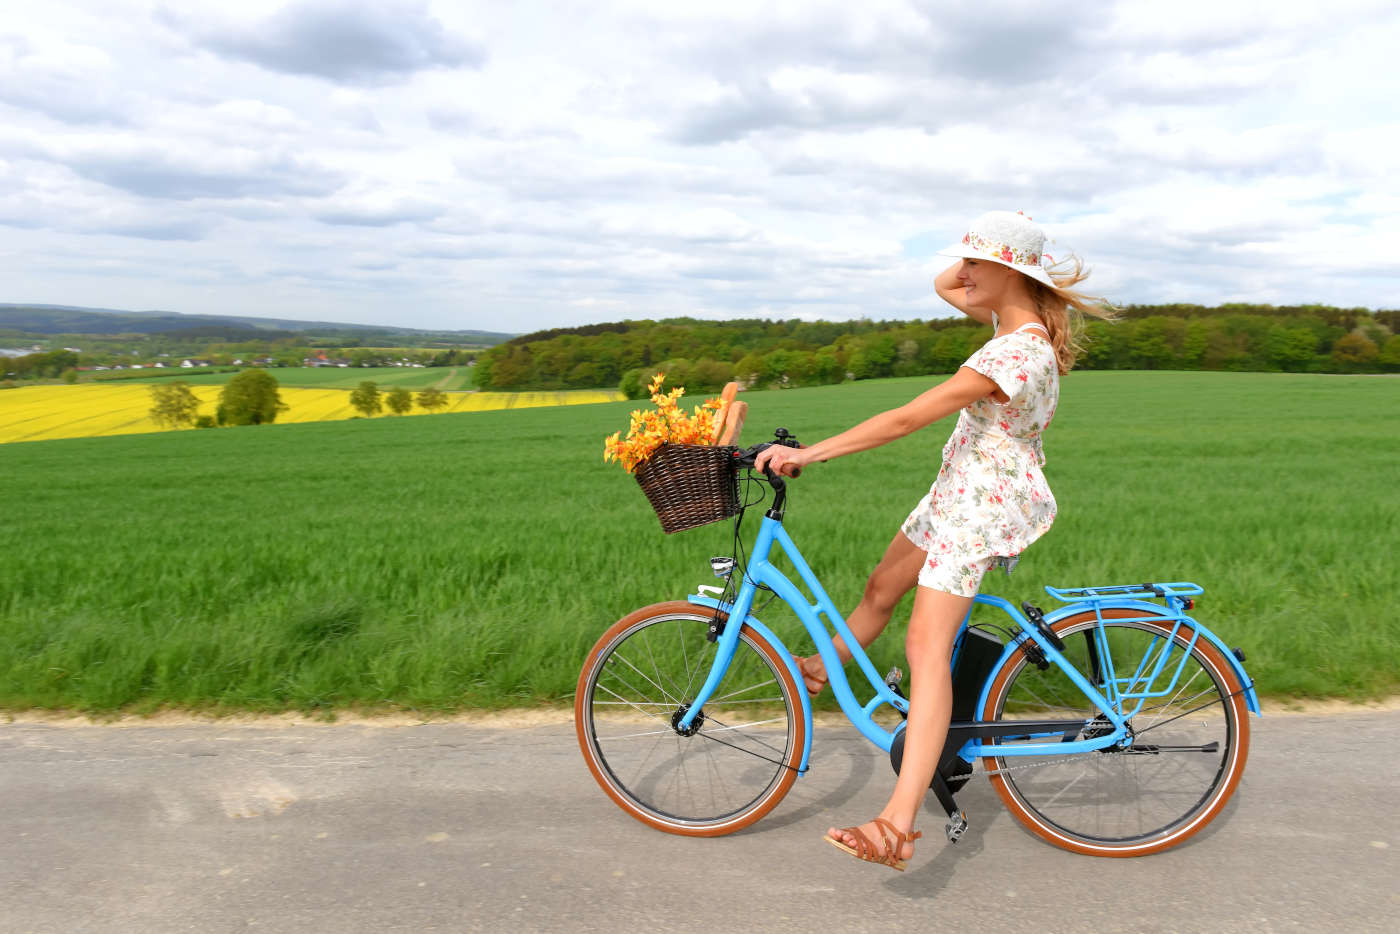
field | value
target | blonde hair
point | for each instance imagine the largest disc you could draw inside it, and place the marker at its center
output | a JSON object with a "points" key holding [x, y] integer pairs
{"points": [[1063, 309]]}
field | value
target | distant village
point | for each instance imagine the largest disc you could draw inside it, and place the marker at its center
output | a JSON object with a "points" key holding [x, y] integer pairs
{"points": [[191, 363]]}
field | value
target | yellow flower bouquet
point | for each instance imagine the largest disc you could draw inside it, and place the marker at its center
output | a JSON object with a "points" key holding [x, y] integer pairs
{"points": [[668, 423], [688, 478]]}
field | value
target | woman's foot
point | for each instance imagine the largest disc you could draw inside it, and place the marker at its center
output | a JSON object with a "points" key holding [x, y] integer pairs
{"points": [[813, 673], [878, 841]]}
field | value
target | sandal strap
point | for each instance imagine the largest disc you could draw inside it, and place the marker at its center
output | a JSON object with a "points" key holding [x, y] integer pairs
{"points": [[865, 848], [891, 840], [894, 841], [902, 838]]}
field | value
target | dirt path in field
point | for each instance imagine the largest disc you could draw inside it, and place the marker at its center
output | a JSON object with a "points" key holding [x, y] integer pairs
{"points": [[446, 380]]}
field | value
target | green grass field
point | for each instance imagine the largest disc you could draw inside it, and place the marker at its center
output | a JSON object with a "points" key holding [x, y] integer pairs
{"points": [[469, 561], [329, 377]]}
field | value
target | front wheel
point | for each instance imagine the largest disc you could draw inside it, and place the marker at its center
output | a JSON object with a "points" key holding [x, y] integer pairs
{"points": [[740, 755], [1188, 743]]}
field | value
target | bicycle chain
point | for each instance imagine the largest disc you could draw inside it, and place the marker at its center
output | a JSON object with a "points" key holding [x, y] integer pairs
{"points": [[1055, 760]]}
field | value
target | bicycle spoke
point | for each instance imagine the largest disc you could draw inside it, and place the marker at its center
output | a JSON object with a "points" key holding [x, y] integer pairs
{"points": [[644, 676], [623, 700]]}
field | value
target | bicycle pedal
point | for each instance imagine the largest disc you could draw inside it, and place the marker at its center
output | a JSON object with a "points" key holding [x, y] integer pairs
{"points": [[892, 679], [957, 825]]}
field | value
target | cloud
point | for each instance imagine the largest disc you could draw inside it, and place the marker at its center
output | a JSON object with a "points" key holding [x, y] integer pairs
{"points": [[339, 40], [68, 82], [791, 99], [376, 210], [151, 170], [175, 229]]}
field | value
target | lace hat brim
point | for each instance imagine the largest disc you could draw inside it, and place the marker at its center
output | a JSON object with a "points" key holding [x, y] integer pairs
{"points": [[964, 251]]}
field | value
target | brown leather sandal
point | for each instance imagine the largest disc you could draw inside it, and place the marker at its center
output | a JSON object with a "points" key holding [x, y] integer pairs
{"points": [[866, 850]]}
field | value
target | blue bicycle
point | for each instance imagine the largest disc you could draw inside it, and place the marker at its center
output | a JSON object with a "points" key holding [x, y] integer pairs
{"points": [[1114, 725]]}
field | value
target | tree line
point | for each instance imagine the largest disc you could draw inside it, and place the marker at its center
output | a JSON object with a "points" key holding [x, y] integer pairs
{"points": [[253, 398], [704, 355]]}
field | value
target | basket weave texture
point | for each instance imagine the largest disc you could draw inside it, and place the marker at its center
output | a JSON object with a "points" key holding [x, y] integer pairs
{"points": [[690, 485]]}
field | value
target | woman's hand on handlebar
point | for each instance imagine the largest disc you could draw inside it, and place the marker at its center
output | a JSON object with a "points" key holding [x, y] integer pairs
{"points": [[782, 460]]}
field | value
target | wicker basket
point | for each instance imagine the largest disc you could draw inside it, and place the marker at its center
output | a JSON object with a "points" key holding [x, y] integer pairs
{"points": [[690, 485]]}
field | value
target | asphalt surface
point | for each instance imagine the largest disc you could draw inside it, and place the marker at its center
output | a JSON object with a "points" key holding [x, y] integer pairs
{"points": [[454, 827]]}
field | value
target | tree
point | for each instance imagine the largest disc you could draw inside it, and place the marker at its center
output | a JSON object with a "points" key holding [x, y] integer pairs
{"points": [[1390, 354], [1291, 348], [365, 398], [432, 399], [399, 400], [250, 398], [174, 405], [1354, 352]]}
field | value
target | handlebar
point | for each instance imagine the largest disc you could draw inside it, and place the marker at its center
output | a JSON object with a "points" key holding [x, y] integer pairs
{"points": [[747, 456]]}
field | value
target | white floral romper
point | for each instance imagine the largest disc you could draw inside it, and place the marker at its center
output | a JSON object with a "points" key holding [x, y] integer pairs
{"points": [[990, 499]]}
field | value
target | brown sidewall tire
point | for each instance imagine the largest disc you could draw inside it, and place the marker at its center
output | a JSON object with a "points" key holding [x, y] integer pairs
{"points": [[1222, 670], [740, 821]]}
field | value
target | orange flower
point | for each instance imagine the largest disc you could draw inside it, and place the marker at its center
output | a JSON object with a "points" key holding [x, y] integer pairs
{"points": [[668, 423]]}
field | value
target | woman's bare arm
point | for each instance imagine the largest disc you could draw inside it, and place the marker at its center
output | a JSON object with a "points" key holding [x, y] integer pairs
{"points": [[949, 289], [958, 391]]}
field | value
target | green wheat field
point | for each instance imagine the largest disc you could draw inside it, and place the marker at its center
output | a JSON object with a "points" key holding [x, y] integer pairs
{"points": [[460, 562]]}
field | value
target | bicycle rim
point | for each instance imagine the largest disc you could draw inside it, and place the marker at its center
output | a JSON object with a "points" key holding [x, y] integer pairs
{"points": [[1187, 753], [734, 769]]}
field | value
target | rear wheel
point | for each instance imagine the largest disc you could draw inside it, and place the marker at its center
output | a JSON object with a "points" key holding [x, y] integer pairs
{"points": [[1187, 749], [741, 754]]}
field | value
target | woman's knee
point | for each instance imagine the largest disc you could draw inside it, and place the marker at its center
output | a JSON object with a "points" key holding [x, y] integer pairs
{"points": [[923, 652]]}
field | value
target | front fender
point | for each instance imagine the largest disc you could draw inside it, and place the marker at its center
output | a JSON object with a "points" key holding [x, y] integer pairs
{"points": [[768, 636]]}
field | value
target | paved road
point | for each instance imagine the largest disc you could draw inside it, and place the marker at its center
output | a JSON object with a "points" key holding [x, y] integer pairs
{"points": [[453, 827]]}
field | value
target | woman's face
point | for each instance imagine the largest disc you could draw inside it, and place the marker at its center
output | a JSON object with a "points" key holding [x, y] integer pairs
{"points": [[984, 282]]}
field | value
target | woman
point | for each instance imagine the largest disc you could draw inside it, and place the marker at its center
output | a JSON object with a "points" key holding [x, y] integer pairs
{"points": [[989, 501]]}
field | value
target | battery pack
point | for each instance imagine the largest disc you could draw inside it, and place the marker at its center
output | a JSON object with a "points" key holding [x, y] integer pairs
{"points": [[973, 658]]}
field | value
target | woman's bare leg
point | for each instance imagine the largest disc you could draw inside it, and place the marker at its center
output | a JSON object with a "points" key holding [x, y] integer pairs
{"points": [[932, 628], [893, 577]]}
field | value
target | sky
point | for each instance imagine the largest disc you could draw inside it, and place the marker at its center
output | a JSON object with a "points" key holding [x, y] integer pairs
{"points": [[521, 164]]}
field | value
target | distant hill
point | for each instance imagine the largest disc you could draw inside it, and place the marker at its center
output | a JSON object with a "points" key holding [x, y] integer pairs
{"points": [[70, 319]]}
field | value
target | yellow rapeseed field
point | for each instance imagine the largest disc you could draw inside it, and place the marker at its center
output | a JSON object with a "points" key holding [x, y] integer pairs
{"points": [[41, 413]]}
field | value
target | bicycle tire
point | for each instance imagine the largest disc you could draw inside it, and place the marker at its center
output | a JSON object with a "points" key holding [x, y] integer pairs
{"points": [[727, 774], [1133, 801]]}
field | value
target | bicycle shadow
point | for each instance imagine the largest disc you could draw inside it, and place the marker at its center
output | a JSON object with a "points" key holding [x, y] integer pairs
{"points": [[858, 763], [984, 809], [930, 875], [864, 771]]}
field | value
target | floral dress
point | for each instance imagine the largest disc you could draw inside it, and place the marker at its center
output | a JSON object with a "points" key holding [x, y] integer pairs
{"points": [[990, 499]]}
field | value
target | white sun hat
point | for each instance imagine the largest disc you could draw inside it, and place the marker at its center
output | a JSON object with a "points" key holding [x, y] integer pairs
{"points": [[1009, 239]]}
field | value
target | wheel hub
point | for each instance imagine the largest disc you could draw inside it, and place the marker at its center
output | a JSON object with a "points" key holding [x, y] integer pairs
{"points": [[694, 724], [1102, 726]]}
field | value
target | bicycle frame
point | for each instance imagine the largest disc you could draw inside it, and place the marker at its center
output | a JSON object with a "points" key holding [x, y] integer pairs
{"points": [[1144, 683]]}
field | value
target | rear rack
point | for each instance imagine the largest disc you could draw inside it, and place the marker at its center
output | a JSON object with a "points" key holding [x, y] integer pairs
{"points": [[1124, 592]]}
